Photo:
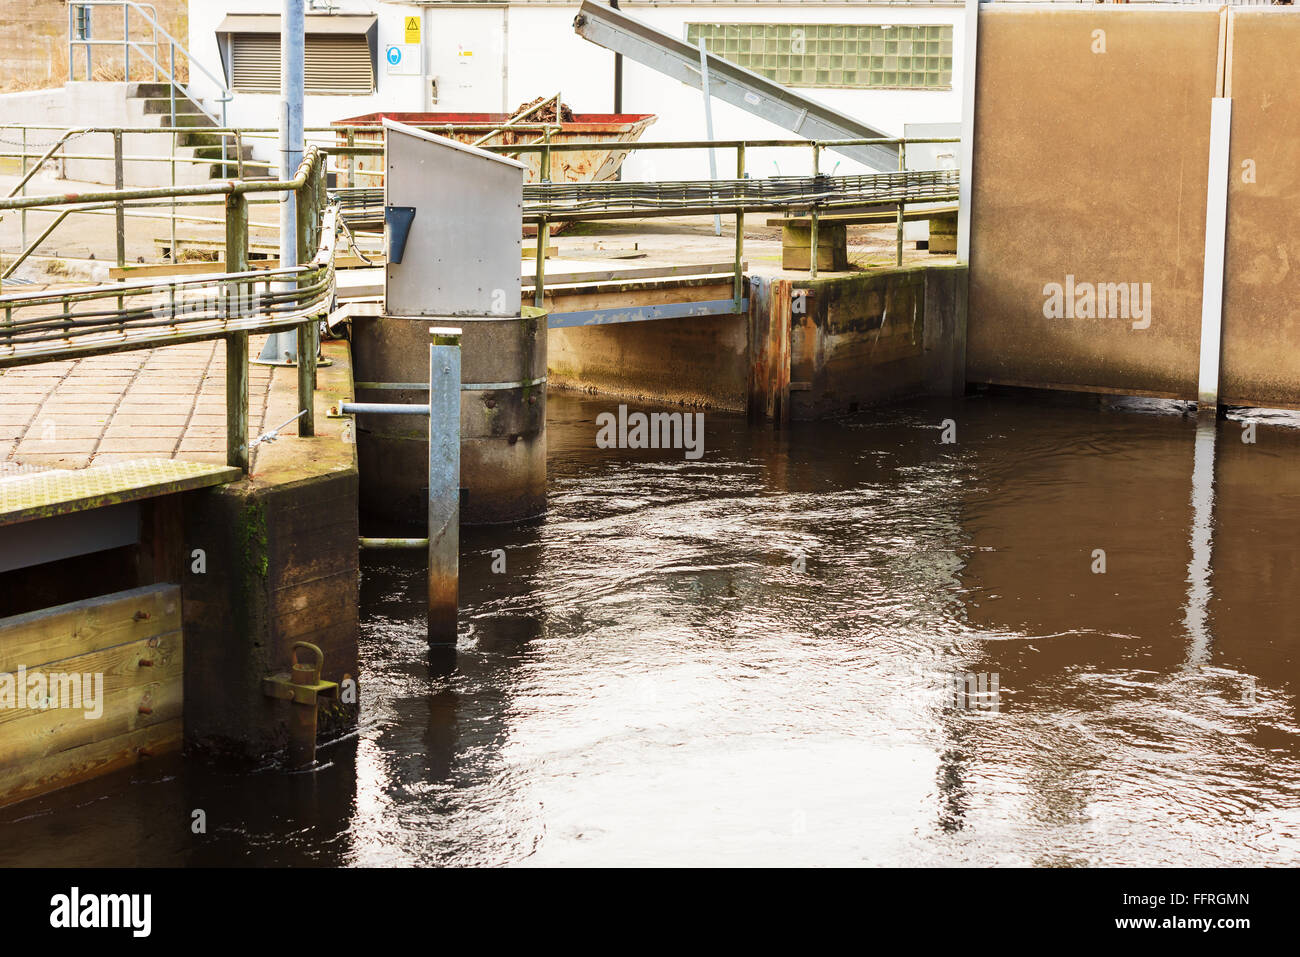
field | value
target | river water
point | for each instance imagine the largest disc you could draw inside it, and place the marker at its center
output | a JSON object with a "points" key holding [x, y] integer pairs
{"points": [[1067, 637]]}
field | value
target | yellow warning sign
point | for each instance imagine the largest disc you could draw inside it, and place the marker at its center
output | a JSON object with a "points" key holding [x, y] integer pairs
{"points": [[412, 29]]}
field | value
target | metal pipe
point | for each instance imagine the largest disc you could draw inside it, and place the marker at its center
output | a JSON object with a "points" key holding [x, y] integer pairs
{"points": [[421, 543], [382, 408], [310, 158]]}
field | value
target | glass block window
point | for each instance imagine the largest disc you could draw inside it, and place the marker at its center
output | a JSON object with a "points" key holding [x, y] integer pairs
{"points": [[838, 55]]}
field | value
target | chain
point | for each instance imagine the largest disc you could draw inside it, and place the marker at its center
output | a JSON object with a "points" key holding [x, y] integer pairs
{"points": [[40, 146]]}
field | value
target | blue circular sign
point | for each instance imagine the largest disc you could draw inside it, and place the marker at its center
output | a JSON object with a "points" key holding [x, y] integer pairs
{"points": [[394, 55]]}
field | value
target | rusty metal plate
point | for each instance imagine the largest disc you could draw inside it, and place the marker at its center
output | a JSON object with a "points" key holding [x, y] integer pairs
{"points": [[63, 491]]}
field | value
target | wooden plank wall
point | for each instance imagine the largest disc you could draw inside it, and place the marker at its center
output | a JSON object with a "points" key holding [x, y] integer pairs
{"points": [[133, 639]]}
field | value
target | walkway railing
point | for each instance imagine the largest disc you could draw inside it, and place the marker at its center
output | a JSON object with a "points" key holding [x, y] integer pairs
{"points": [[547, 202], [71, 323], [81, 34]]}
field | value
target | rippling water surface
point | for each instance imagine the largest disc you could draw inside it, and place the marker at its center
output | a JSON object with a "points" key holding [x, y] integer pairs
{"points": [[751, 658]]}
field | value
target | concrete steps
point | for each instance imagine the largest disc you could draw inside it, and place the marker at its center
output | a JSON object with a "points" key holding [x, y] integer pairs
{"points": [[154, 102]]}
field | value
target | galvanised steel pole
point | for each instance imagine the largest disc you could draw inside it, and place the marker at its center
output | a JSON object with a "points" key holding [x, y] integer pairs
{"points": [[292, 24]]}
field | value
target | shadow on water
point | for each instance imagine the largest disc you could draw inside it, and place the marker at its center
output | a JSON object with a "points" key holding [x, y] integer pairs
{"points": [[1065, 638]]}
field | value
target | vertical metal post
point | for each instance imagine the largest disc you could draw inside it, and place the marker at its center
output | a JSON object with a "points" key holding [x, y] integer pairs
{"points": [[237, 452], [171, 89], [708, 125], [23, 217], [812, 237], [72, 33], [307, 347], [119, 209], [173, 205], [738, 285], [543, 225], [902, 167], [444, 484], [126, 43], [352, 157], [291, 120]]}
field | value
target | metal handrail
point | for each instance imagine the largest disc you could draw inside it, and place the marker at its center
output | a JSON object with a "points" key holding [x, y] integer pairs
{"points": [[219, 305], [226, 94], [312, 156]]}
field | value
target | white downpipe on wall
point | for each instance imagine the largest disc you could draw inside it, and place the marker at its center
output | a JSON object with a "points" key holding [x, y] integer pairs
{"points": [[1216, 225], [970, 45]]}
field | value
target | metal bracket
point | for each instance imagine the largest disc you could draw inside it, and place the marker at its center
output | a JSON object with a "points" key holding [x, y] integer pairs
{"points": [[398, 220]]}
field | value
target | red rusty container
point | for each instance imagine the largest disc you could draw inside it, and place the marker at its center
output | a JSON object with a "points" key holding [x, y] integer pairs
{"points": [[598, 164]]}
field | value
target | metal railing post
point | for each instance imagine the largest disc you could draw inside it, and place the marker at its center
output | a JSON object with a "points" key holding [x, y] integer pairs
{"points": [[308, 220], [543, 225], [237, 451], [444, 485], [22, 219], [171, 88], [119, 208], [174, 252], [812, 237], [738, 285], [902, 203], [126, 43]]}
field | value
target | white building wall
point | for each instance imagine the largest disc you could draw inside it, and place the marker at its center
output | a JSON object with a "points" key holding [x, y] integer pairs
{"points": [[522, 51]]}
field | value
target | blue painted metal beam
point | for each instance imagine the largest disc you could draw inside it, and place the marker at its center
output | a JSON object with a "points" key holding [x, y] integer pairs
{"points": [[671, 310]]}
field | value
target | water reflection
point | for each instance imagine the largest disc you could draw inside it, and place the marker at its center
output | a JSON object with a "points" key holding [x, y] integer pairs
{"points": [[1198, 569], [752, 658]]}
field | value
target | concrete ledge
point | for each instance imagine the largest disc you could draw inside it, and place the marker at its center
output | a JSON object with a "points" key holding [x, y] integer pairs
{"points": [[870, 337], [281, 566]]}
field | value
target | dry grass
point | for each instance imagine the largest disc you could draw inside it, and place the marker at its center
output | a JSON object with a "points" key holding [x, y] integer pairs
{"points": [[34, 45]]}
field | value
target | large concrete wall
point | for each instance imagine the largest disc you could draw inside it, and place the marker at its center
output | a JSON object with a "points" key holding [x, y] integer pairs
{"points": [[1261, 327], [1091, 159], [1092, 165], [867, 338]]}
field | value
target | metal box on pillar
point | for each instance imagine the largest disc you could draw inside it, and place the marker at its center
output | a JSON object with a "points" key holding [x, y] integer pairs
{"points": [[453, 221]]}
